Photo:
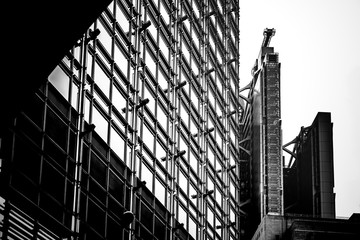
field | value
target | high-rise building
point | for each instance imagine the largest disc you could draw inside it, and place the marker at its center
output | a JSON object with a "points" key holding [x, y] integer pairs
{"points": [[136, 134], [309, 175], [261, 177]]}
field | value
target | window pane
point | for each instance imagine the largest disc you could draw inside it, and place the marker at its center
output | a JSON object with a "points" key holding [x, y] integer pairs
{"points": [[163, 47], [162, 81], [122, 20], [152, 29], [60, 80], [161, 117], [150, 63], [104, 37], [120, 59], [101, 124], [74, 95], [117, 144], [183, 182], [118, 100], [192, 228], [182, 216], [160, 151], [164, 13], [147, 175], [151, 104], [101, 79], [159, 191], [148, 138], [210, 216], [193, 162]]}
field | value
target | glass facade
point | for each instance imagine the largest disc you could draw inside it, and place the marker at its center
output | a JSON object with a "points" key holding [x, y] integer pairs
{"points": [[141, 115]]}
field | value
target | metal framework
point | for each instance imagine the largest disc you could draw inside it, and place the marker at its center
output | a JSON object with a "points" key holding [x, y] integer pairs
{"points": [[260, 143], [142, 116]]}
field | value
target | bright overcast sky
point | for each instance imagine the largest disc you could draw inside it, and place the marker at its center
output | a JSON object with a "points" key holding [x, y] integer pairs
{"points": [[318, 43]]}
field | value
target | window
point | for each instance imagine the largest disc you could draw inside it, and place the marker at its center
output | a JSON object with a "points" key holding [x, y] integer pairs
{"points": [[160, 151], [184, 114], [118, 99], [101, 124], [104, 37], [120, 59], [117, 143], [101, 79], [151, 104], [147, 176], [210, 216], [159, 191], [150, 63], [163, 47], [211, 157], [164, 12], [148, 138], [60, 80], [183, 181], [162, 81], [182, 215], [193, 162], [192, 228], [152, 28], [185, 51], [74, 95], [121, 18], [161, 116]]}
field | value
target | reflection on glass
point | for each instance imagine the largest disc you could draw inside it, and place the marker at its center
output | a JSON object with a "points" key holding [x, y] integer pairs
{"points": [[101, 79], [161, 117], [163, 47], [118, 99], [87, 110], [218, 196], [164, 13], [183, 182], [184, 114], [74, 95], [217, 223], [192, 228], [60, 81], [148, 138], [147, 175], [117, 143], [151, 104], [104, 37], [152, 29], [121, 19], [185, 52], [210, 216], [159, 191], [193, 162], [100, 101], [182, 216], [101, 124], [160, 151], [150, 63], [162, 81]]}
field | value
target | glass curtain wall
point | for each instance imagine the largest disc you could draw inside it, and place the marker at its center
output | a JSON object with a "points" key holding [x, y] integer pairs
{"points": [[141, 115]]}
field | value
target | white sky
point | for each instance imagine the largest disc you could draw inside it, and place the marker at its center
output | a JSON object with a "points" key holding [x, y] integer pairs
{"points": [[318, 43]]}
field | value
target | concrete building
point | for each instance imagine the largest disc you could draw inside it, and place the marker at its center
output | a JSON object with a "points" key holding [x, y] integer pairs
{"points": [[290, 227], [309, 175], [134, 134]]}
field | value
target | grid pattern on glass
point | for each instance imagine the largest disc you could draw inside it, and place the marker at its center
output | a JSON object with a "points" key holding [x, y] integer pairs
{"points": [[110, 92]]}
